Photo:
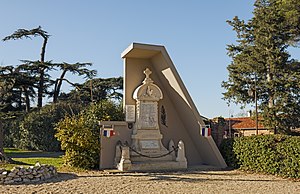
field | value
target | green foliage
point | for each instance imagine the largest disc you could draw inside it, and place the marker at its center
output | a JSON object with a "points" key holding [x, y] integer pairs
{"points": [[226, 149], [16, 89], [261, 62], [79, 137], [24, 33], [79, 134], [12, 130], [21, 84], [77, 68], [96, 90], [33, 76], [273, 154], [37, 128]]}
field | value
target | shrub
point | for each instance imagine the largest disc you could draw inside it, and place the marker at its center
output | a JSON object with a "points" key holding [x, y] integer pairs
{"points": [[12, 130], [79, 135], [226, 149], [37, 128], [273, 154]]}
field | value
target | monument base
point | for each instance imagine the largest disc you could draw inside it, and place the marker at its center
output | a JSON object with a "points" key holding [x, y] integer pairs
{"points": [[140, 162], [134, 157]]}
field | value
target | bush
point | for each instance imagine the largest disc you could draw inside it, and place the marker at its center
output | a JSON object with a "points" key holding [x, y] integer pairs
{"points": [[37, 128], [80, 137], [12, 130], [273, 154], [80, 140]]}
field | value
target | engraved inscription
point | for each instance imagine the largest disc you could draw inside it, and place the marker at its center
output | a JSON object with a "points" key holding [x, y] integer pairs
{"points": [[130, 113], [149, 144], [148, 115]]}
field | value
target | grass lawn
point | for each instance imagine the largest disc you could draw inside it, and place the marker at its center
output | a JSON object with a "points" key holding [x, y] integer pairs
{"points": [[27, 158]]}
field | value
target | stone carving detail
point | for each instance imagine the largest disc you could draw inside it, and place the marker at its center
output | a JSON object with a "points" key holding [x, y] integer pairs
{"points": [[148, 115], [149, 144], [148, 91], [146, 137], [147, 96]]}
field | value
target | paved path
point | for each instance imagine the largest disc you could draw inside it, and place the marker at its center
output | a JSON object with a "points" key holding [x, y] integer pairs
{"points": [[179, 182]]}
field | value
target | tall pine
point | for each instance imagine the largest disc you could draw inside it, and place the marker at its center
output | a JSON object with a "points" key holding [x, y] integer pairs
{"points": [[261, 62]]}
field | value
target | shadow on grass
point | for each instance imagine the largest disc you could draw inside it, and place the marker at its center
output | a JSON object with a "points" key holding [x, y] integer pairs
{"points": [[14, 162], [35, 154]]}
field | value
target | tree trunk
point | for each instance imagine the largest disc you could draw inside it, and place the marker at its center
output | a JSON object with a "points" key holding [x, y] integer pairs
{"points": [[43, 51], [42, 72], [41, 88], [271, 96], [27, 100], [57, 87], [1, 137], [20, 100]]}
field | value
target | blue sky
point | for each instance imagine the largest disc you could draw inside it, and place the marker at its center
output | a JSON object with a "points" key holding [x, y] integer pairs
{"points": [[195, 34]]}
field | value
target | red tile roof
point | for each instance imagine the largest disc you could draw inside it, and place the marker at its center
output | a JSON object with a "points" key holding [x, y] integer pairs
{"points": [[243, 123]]}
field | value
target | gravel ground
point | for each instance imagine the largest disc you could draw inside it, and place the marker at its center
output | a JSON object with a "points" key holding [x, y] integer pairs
{"points": [[171, 182]]}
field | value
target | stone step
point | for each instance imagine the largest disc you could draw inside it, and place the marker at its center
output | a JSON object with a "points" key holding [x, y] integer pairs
{"points": [[138, 158], [157, 166]]}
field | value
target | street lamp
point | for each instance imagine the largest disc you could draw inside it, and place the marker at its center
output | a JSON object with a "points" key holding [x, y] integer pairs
{"points": [[253, 92]]}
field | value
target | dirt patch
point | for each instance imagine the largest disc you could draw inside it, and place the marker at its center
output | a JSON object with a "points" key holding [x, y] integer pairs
{"points": [[171, 182]]}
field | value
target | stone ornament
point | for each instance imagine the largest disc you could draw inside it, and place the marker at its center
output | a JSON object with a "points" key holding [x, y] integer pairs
{"points": [[181, 152], [148, 91], [147, 96]]}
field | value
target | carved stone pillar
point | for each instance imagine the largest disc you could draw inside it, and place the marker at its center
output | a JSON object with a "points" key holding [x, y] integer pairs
{"points": [[146, 135]]}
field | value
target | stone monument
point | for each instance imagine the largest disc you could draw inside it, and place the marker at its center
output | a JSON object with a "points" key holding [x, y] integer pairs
{"points": [[160, 116], [147, 151]]}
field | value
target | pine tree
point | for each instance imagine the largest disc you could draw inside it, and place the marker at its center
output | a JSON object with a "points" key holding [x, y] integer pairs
{"points": [[261, 61], [77, 68], [42, 66]]}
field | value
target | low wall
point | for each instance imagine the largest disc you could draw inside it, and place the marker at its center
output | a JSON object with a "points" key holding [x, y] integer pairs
{"points": [[19, 175]]}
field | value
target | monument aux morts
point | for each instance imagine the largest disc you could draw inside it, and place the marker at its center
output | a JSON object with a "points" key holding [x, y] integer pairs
{"points": [[162, 129]]}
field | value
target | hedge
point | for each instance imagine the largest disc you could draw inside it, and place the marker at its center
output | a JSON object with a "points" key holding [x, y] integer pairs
{"points": [[273, 154]]}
